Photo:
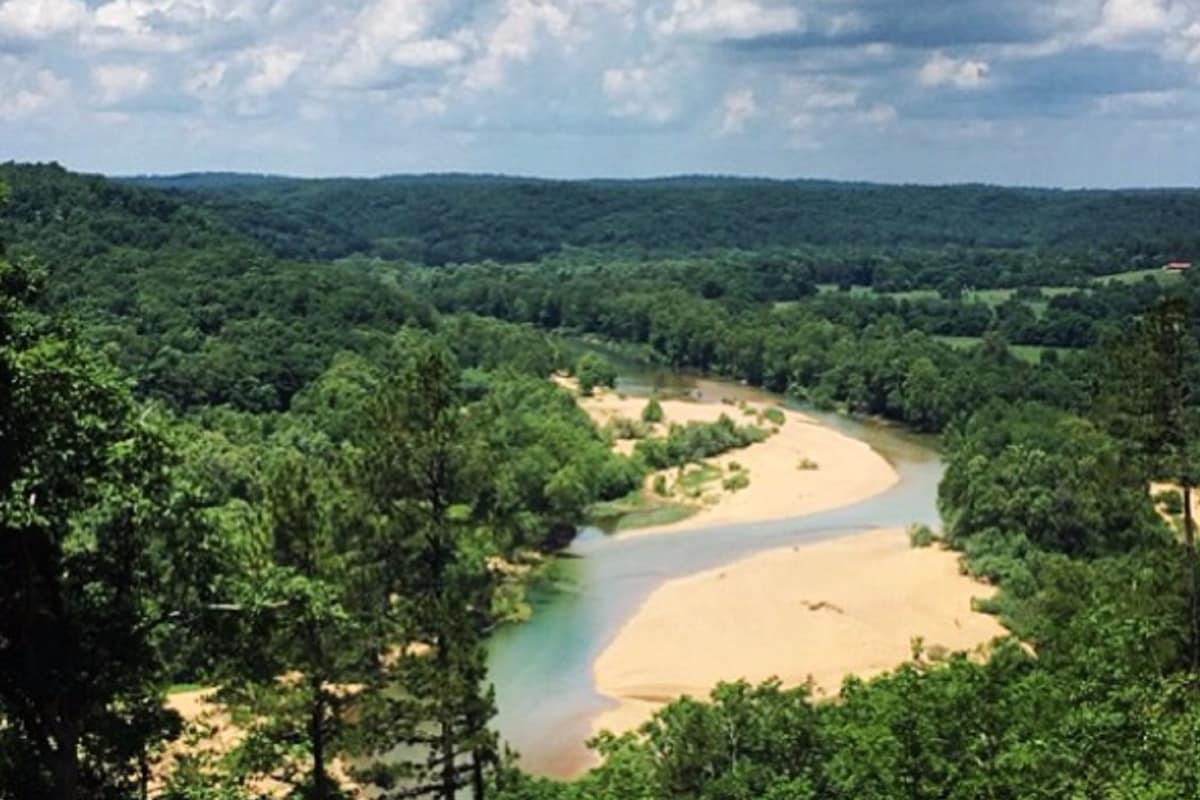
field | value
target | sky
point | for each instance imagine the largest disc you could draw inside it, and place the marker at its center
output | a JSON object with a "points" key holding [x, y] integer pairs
{"points": [[1026, 92]]}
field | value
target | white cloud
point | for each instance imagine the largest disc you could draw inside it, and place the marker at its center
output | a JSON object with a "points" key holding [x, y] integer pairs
{"points": [[25, 92], [207, 79], [395, 20], [639, 93], [271, 68], [1185, 45], [391, 36], [142, 25], [117, 82], [729, 19], [942, 70], [879, 115], [737, 108], [818, 109], [819, 94], [514, 38], [1126, 102], [1124, 18], [38, 19]]}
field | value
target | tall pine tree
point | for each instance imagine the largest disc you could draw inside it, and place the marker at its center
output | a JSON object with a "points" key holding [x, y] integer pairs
{"points": [[426, 725]]}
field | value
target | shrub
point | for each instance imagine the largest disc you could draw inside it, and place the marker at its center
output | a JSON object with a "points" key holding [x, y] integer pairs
{"points": [[775, 416], [737, 481], [626, 428], [653, 412], [592, 371], [696, 441], [806, 464], [660, 485], [920, 535]]}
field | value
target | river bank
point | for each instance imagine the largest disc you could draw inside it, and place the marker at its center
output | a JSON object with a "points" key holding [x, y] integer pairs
{"points": [[818, 612], [543, 669], [803, 467]]}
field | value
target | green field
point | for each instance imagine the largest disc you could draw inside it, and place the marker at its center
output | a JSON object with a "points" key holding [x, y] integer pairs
{"points": [[991, 297], [1031, 354], [1139, 275]]}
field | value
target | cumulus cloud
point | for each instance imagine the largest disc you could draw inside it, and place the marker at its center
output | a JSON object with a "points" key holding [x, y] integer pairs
{"points": [[729, 19], [640, 93], [1120, 19], [389, 37], [25, 92], [737, 107], [39, 19], [513, 39], [1185, 46], [942, 70], [271, 69], [473, 77], [117, 82]]}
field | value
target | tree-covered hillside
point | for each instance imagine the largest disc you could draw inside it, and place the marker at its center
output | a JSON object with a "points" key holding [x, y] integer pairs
{"points": [[199, 313], [437, 219]]}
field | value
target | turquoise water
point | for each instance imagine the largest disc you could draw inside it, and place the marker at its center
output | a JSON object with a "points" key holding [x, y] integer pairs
{"points": [[542, 669]]}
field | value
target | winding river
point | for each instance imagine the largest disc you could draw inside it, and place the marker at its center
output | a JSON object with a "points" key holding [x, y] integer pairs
{"points": [[542, 669]]}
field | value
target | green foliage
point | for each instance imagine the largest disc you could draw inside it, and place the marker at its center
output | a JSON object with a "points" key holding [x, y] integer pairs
{"points": [[548, 461], [921, 536], [737, 481], [1055, 479], [625, 428], [421, 474], [653, 411], [103, 556], [200, 315], [308, 599], [774, 416], [464, 219], [696, 441], [340, 490], [592, 371]]}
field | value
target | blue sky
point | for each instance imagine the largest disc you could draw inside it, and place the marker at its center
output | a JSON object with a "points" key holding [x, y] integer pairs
{"points": [[1044, 92]]}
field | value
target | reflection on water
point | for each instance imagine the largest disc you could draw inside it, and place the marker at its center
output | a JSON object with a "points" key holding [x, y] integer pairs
{"points": [[542, 669]]}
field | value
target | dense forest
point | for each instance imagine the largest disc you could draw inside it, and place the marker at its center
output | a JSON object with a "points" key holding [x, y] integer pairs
{"points": [[233, 456], [440, 219]]}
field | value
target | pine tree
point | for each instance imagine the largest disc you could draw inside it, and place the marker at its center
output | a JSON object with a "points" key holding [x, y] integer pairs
{"points": [[426, 724]]}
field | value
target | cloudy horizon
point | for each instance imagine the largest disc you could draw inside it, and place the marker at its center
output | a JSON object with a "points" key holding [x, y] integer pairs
{"points": [[1057, 93]]}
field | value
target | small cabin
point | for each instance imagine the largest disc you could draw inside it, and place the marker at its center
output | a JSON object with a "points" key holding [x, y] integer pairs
{"points": [[1177, 266]]}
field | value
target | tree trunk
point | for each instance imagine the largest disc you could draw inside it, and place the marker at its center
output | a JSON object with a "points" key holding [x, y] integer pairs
{"points": [[316, 735], [65, 767], [1189, 536], [477, 774], [449, 779]]}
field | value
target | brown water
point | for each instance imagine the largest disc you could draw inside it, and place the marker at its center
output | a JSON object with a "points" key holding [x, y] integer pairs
{"points": [[542, 669]]}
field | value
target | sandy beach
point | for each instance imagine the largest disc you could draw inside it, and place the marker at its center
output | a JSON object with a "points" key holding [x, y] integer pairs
{"points": [[840, 470], [849, 606]]}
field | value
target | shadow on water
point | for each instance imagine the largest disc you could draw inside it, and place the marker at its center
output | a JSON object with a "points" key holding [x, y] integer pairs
{"points": [[543, 669]]}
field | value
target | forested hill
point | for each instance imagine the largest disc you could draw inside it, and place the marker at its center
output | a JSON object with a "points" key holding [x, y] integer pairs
{"points": [[200, 313], [437, 219]]}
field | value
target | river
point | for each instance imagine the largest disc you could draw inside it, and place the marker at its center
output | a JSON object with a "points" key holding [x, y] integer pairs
{"points": [[542, 669]]}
